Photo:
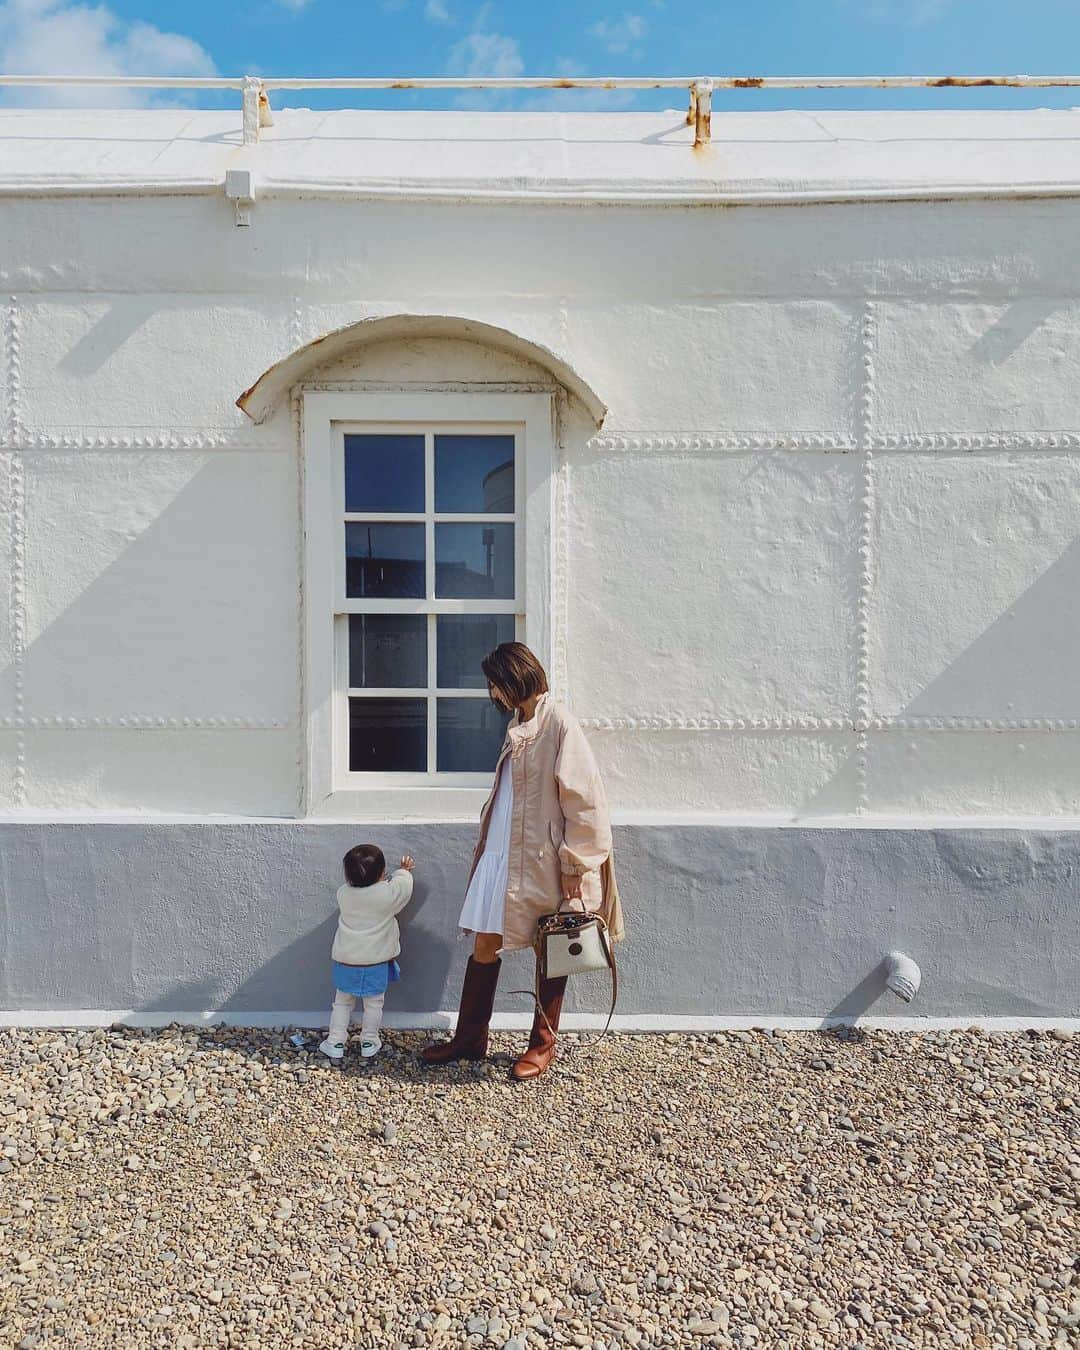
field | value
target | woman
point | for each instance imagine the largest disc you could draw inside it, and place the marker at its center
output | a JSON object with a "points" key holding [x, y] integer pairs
{"points": [[545, 844]]}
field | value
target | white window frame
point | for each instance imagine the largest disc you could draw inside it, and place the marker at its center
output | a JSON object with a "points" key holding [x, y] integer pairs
{"points": [[330, 789]]}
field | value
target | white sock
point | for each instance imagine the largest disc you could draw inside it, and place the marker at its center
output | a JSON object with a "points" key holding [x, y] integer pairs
{"points": [[372, 1019], [340, 1015]]}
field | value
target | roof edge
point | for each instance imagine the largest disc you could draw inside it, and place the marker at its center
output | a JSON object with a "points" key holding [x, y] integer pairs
{"points": [[554, 193]]}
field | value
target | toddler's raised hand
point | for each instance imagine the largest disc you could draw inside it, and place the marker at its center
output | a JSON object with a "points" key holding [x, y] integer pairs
{"points": [[407, 863]]}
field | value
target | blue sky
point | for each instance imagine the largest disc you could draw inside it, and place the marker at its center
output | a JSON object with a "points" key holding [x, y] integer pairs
{"points": [[556, 37]]}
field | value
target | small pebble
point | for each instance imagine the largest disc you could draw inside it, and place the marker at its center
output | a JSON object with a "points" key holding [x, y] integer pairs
{"points": [[191, 1187]]}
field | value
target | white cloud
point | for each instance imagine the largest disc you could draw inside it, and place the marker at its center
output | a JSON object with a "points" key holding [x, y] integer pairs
{"points": [[436, 12], [619, 35], [52, 37], [480, 54]]}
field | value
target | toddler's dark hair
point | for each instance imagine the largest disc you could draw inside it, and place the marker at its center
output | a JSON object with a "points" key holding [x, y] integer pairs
{"points": [[363, 865]]}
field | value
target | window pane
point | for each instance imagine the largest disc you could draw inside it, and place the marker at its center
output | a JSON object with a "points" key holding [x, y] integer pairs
{"points": [[474, 561], [470, 734], [388, 735], [474, 473], [384, 473], [387, 651], [462, 642], [384, 560]]}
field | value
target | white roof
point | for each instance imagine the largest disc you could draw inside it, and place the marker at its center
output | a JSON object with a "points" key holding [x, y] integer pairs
{"points": [[620, 156]]}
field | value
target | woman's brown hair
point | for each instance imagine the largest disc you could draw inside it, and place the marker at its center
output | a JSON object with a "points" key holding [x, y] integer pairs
{"points": [[515, 672]]}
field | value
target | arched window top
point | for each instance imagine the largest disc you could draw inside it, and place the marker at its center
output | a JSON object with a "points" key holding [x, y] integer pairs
{"points": [[274, 383]]}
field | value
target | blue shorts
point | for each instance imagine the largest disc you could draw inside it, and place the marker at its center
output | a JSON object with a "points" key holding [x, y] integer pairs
{"points": [[365, 981]]}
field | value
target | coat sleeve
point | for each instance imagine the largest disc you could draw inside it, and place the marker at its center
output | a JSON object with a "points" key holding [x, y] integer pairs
{"points": [[402, 884], [587, 821]]}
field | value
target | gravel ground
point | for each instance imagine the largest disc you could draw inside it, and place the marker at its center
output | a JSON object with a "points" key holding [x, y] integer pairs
{"points": [[188, 1187]]}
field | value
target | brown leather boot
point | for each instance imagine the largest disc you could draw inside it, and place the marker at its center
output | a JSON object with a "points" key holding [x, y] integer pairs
{"points": [[470, 1038], [541, 1052]]}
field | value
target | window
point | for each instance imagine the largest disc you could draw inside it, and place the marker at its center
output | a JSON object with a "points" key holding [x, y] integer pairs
{"points": [[431, 568], [426, 523]]}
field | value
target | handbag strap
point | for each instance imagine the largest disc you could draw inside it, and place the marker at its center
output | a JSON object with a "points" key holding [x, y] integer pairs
{"points": [[534, 994]]}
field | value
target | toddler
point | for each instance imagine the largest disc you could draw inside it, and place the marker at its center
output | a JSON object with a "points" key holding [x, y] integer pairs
{"points": [[366, 946]]}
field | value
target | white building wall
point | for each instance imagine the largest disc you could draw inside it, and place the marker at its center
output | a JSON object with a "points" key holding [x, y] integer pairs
{"points": [[820, 561]]}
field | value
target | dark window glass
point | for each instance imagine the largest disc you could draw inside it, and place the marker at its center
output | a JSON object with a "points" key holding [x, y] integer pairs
{"points": [[384, 473], [462, 642], [470, 733], [388, 735], [388, 651], [384, 560], [474, 561], [474, 474]]}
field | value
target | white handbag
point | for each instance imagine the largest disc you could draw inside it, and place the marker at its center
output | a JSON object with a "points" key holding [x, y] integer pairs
{"points": [[572, 943]]}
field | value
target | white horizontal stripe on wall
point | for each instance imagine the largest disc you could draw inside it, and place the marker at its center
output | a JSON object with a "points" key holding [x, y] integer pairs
{"points": [[635, 1023]]}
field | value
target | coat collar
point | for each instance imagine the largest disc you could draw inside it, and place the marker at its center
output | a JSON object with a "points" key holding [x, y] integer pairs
{"points": [[523, 731]]}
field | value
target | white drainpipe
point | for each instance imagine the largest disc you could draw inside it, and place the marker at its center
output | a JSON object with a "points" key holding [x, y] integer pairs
{"points": [[904, 976]]}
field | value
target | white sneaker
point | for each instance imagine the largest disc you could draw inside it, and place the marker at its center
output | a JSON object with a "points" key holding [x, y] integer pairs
{"points": [[332, 1049], [369, 1046]]}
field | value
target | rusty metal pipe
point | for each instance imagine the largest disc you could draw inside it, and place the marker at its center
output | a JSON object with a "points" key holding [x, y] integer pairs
{"points": [[547, 82], [703, 91], [257, 114], [687, 82]]}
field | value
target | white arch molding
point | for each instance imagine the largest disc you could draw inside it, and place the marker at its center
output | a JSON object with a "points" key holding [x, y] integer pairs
{"points": [[274, 383]]}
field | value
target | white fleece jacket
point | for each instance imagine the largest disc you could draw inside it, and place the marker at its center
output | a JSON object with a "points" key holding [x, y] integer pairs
{"points": [[367, 929]]}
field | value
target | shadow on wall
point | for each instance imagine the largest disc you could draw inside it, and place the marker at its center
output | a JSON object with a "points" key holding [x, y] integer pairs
{"points": [[1009, 331], [297, 978], [858, 1001], [128, 617], [120, 322], [1021, 666], [1025, 659], [725, 921]]}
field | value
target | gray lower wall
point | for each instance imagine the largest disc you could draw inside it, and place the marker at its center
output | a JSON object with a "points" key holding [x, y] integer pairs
{"points": [[735, 921]]}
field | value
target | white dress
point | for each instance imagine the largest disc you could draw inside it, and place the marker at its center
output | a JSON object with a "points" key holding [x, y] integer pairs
{"points": [[485, 899]]}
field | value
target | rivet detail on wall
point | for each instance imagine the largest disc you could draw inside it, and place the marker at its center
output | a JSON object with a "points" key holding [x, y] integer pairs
{"points": [[810, 725], [647, 442], [18, 621], [975, 441], [561, 615], [240, 439], [13, 368], [974, 724], [647, 722], [17, 529], [864, 557], [296, 415], [135, 722], [296, 325]]}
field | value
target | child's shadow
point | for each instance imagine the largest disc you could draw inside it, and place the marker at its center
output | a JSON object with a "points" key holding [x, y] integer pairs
{"points": [[290, 978]]}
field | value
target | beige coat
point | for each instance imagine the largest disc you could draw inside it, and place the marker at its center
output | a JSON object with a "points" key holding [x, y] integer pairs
{"points": [[560, 823]]}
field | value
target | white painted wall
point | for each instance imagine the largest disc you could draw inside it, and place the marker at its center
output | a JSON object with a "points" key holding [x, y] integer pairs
{"points": [[821, 560]]}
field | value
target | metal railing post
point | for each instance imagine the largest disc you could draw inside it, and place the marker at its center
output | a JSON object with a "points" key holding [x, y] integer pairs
{"points": [[252, 90], [702, 105]]}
